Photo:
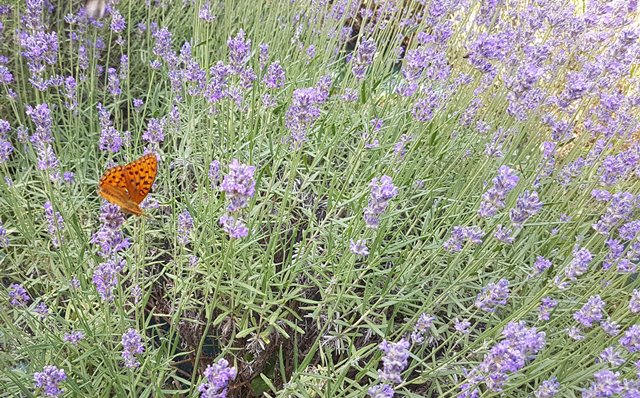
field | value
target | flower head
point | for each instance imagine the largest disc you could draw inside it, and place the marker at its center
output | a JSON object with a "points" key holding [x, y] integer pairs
{"points": [[218, 376], [49, 380], [131, 346]]}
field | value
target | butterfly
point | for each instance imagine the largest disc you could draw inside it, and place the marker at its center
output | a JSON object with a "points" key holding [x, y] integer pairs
{"points": [[95, 8], [128, 185]]}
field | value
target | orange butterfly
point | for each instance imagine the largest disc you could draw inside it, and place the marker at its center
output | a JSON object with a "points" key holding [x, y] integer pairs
{"points": [[128, 185]]}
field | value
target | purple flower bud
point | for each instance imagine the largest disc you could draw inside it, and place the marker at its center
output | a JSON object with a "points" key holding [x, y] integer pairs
{"points": [[493, 295], [18, 296], [74, 337], [49, 380], [591, 312], [185, 225], [381, 391], [394, 360], [131, 346], [235, 228], [494, 198], [55, 224], [548, 388], [382, 191], [359, 247], [239, 185], [218, 376], [546, 305]]}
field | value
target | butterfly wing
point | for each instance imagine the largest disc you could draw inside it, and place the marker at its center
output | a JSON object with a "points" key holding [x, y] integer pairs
{"points": [[140, 176], [113, 188]]}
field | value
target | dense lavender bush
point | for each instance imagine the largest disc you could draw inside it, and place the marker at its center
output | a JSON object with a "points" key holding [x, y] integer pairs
{"points": [[353, 198]]}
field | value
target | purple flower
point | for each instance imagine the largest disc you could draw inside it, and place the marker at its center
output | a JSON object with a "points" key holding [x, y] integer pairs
{"points": [[520, 344], [113, 82], [239, 185], [504, 235], [49, 380], [304, 110], [105, 278], [136, 294], [579, 264], [154, 133], [185, 225], [55, 224], [548, 388], [311, 52], [214, 174], [461, 325], [350, 95], [620, 208], [575, 333], [117, 22], [275, 76], [424, 108], [239, 49], [205, 12], [631, 339], [6, 148], [235, 228], [264, 55], [131, 346], [606, 384], [39, 49], [110, 138], [546, 305], [42, 138], [382, 191], [381, 391], [364, 54], [612, 356], [218, 376], [493, 199], [422, 326], [493, 295], [359, 247], [634, 302], [610, 327], [400, 148], [74, 337], [18, 296], [137, 104], [68, 177], [527, 205], [591, 312], [42, 310], [461, 235], [394, 360], [109, 238]]}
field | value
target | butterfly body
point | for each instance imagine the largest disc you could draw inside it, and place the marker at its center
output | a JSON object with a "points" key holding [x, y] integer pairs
{"points": [[128, 185]]}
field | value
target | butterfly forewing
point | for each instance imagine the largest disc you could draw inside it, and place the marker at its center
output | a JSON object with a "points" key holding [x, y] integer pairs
{"points": [[127, 186], [140, 175]]}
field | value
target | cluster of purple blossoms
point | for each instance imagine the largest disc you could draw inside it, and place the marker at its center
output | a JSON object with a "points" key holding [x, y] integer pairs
{"points": [[42, 139], [612, 356], [547, 304], [504, 234], [462, 235], [218, 376], [634, 302], [422, 327], [548, 388], [40, 49], [214, 174], [110, 139], [74, 337], [579, 263], [131, 346], [105, 277], [425, 107], [49, 380], [359, 247], [394, 360], [494, 198], [55, 224], [621, 207], [113, 82], [508, 356], [364, 54], [400, 147], [382, 191], [493, 295], [154, 134], [239, 186], [304, 110], [461, 325], [540, 265], [185, 226], [610, 327], [381, 391], [591, 312], [205, 12], [527, 205], [109, 237], [42, 310], [18, 296], [275, 76], [631, 339], [606, 384], [6, 148]]}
